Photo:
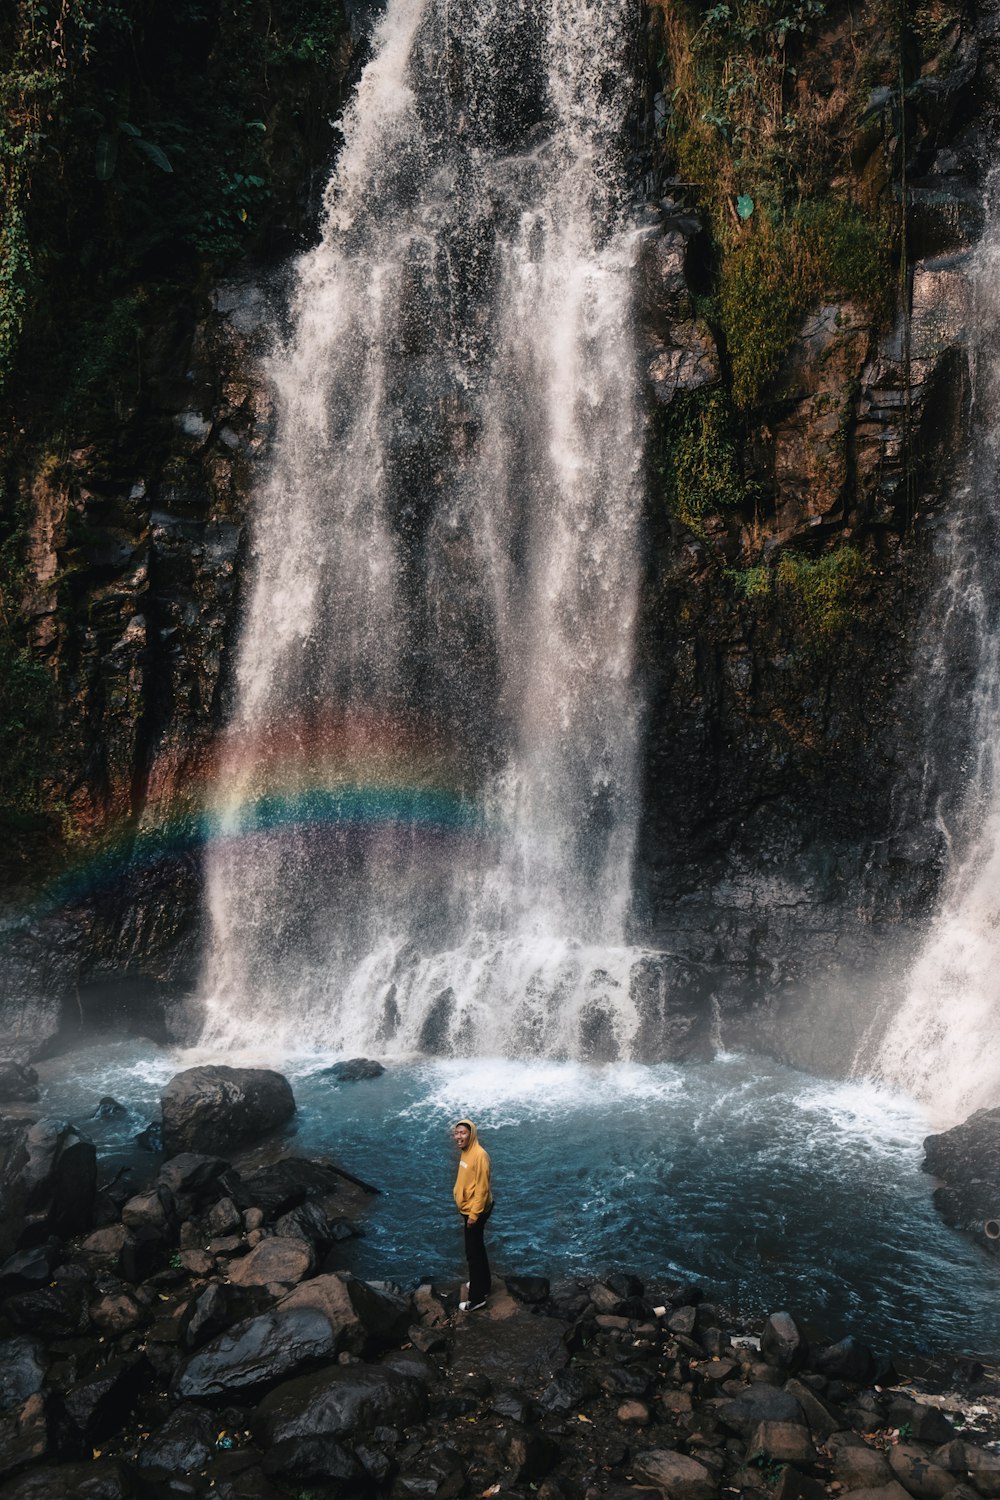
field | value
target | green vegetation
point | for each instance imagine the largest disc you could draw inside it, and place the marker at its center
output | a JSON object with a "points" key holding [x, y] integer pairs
{"points": [[697, 456], [141, 147], [751, 141], [820, 594], [771, 277]]}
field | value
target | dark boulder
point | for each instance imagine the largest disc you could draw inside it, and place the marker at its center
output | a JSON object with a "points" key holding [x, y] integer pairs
{"points": [[531, 1289], [102, 1479], [846, 1360], [99, 1405], [212, 1109], [30, 1268], [363, 1317], [22, 1371], [303, 1459], [110, 1109], [354, 1070], [759, 1403], [54, 1311], [967, 1160], [568, 1390], [17, 1082], [202, 1180], [316, 1221], [48, 1180], [782, 1342], [256, 1353], [285, 1184], [338, 1403], [185, 1442]]}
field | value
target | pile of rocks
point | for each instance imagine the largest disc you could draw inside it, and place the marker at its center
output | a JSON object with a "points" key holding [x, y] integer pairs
{"points": [[201, 1338]]}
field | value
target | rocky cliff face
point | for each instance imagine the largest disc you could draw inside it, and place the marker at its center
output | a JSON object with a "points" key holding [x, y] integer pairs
{"points": [[791, 563]]}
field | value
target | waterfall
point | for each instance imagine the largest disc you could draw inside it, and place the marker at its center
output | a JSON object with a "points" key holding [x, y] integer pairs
{"points": [[940, 1044], [427, 796]]}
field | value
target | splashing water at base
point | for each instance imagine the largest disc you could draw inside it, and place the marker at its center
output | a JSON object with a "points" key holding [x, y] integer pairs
{"points": [[768, 1188]]}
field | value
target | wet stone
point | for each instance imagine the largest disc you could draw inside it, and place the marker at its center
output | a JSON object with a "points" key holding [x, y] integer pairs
{"points": [[22, 1371], [918, 1474], [675, 1474]]}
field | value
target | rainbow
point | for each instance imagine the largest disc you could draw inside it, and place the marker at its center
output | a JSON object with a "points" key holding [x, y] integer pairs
{"points": [[362, 777]]}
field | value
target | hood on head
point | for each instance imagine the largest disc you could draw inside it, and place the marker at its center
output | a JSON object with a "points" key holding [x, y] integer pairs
{"points": [[473, 1137]]}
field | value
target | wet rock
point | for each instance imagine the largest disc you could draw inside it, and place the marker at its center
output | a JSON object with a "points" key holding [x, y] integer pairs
{"points": [[116, 1313], [303, 1459], [109, 1109], [823, 1418], [54, 1312], [782, 1342], [675, 1475], [362, 1317], [255, 1354], [150, 1138], [967, 1160], [759, 1403], [223, 1218], [927, 1423], [683, 1321], [193, 1175], [430, 1309], [785, 1442], [354, 1070], [855, 1465], [152, 1212], [967, 1459], [100, 1404], [103, 1249], [634, 1412], [284, 1184], [316, 1221], [530, 1289], [795, 1486], [25, 1435], [185, 1442], [22, 1371], [197, 1262], [213, 1109], [530, 1454], [918, 1474], [275, 1260], [338, 1403], [208, 1315], [514, 1350], [29, 1268], [17, 1082], [847, 1360], [105, 1479], [565, 1392], [48, 1180]]}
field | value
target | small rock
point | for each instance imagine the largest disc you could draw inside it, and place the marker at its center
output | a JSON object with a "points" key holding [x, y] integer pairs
{"points": [[785, 1442], [782, 1342], [679, 1477], [354, 1070], [683, 1321], [109, 1109], [276, 1259], [22, 1371], [197, 1262], [223, 1218], [636, 1412], [184, 1443], [116, 1313]]}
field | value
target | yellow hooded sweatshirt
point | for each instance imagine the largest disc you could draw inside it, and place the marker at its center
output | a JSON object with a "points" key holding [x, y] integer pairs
{"points": [[472, 1184]]}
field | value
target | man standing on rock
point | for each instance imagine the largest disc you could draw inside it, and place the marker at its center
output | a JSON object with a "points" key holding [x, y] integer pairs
{"points": [[475, 1204]]}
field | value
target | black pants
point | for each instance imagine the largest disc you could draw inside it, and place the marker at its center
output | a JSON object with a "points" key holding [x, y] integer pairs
{"points": [[475, 1253]]}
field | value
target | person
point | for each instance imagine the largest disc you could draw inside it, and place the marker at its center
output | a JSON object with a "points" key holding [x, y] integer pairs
{"points": [[474, 1200]]}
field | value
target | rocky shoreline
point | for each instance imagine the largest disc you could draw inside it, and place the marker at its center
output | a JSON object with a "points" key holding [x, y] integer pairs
{"points": [[200, 1337]]}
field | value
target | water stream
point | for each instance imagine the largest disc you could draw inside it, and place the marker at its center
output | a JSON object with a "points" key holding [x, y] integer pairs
{"points": [[427, 801], [939, 1042]]}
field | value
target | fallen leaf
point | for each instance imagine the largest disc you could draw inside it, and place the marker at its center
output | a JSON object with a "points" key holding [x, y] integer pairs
{"points": [[581, 1418]]}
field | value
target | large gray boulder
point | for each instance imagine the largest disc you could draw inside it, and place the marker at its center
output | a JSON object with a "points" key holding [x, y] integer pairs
{"points": [[48, 1179], [967, 1160], [213, 1109], [338, 1403]]}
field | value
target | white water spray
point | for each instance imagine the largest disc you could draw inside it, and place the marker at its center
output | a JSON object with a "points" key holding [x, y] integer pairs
{"points": [[427, 798], [942, 1044]]}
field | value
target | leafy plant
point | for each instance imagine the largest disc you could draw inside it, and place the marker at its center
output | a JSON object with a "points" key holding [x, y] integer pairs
{"points": [[697, 457]]}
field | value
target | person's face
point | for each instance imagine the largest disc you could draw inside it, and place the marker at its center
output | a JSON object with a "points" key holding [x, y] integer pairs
{"points": [[463, 1135]]}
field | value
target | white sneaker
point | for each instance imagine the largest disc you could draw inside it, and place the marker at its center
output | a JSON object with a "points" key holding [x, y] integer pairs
{"points": [[470, 1306]]}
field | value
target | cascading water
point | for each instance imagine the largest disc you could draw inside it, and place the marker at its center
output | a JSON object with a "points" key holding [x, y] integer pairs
{"points": [[427, 795], [940, 1044]]}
